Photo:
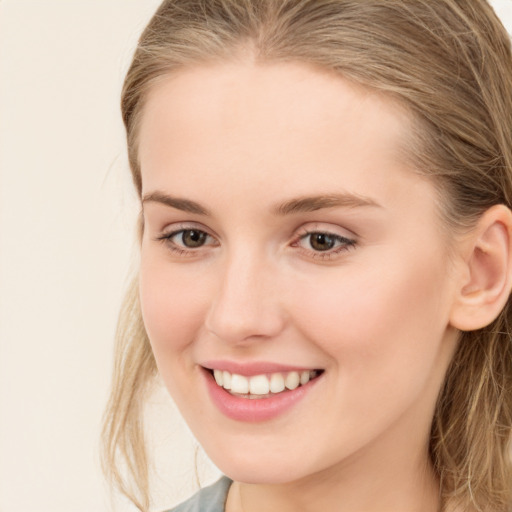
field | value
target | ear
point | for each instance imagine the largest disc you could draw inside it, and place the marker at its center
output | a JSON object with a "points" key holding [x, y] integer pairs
{"points": [[485, 286]]}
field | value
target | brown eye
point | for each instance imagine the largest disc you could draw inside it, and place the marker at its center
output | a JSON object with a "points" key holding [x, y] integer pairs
{"points": [[325, 243], [193, 238], [322, 241]]}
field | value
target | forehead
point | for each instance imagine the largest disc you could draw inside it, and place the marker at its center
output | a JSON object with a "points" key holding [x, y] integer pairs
{"points": [[279, 122]]}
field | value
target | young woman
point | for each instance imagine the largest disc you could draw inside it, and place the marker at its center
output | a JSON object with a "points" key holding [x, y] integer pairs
{"points": [[326, 257]]}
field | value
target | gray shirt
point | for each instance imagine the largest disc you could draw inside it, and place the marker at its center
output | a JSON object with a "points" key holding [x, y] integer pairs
{"points": [[209, 499]]}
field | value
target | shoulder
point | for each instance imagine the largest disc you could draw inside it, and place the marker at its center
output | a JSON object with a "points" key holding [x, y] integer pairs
{"points": [[208, 499]]}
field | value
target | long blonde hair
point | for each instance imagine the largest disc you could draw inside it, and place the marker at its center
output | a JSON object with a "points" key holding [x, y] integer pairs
{"points": [[449, 62]]}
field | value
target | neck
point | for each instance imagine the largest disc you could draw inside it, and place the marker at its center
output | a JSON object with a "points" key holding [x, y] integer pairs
{"points": [[387, 485]]}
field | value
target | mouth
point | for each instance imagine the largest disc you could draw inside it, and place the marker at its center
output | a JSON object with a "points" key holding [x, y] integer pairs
{"points": [[258, 391], [262, 386]]}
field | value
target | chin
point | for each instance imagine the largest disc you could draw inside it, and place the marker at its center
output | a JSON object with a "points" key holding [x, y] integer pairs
{"points": [[261, 467], [259, 475]]}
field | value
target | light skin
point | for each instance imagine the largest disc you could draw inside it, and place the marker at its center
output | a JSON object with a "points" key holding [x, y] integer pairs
{"points": [[241, 156]]}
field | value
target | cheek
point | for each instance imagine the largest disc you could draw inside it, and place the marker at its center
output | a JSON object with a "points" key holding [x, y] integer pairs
{"points": [[171, 305], [382, 334], [377, 315]]}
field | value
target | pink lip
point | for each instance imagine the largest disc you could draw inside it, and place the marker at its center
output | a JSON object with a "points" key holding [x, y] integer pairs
{"points": [[254, 368], [261, 409]]}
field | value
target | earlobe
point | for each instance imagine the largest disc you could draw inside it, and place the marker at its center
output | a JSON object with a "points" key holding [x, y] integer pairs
{"points": [[487, 281]]}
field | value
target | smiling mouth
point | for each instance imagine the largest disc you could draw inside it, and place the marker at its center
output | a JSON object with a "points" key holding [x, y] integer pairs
{"points": [[263, 385]]}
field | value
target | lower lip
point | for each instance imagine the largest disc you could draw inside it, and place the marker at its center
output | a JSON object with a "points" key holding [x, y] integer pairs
{"points": [[254, 410]]}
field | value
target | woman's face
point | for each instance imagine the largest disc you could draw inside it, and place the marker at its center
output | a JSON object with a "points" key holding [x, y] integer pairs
{"points": [[286, 239]]}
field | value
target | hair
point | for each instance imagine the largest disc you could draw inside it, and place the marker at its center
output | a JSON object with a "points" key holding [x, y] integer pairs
{"points": [[449, 63]]}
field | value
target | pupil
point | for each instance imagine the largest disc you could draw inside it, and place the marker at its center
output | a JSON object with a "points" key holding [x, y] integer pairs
{"points": [[322, 242], [193, 238]]}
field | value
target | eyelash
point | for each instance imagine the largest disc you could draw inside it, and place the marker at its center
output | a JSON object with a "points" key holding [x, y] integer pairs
{"points": [[167, 239], [345, 243]]}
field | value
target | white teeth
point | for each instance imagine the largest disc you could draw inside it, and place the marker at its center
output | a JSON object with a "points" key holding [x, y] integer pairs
{"points": [[277, 383], [226, 380], [262, 385], [239, 384], [259, 385], [304, 378], [218, 374], [292, 380]]}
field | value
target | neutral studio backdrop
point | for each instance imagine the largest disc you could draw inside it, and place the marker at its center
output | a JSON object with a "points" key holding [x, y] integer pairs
{"points": [[66, 237]]}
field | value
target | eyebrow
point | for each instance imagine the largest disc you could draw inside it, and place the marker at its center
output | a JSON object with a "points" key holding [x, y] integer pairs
{"points": [[185, 205], [314, 203], [297, 205]]}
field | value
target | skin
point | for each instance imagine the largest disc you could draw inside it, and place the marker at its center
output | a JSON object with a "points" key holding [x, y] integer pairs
{"points": [[239, 139]]}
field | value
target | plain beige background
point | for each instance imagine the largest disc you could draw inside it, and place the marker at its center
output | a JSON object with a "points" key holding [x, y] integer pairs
{"points": [[66, 238]]}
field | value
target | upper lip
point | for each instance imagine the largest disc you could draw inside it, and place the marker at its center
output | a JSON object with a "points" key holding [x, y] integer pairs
{"points": [[253, 368]]}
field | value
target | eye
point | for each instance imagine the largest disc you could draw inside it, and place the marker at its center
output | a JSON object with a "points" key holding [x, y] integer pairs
{"points": [[187, 239], [324, 243], [191, 238]]}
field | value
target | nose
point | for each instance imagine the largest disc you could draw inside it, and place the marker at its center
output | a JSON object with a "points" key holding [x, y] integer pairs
{"points": [[246, 304]]}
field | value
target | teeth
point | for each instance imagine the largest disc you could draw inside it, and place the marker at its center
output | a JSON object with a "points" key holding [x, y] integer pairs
{"points": [[239, 384], [304, 378], [218, 374], [292, 380], [277, 383], [226, 380], [261, 385]]}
